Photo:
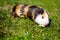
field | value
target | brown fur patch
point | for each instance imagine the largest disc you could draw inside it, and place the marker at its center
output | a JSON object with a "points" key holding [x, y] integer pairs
{"points": [[26, 10], [33, 15], [18, 8], [44, 14]]}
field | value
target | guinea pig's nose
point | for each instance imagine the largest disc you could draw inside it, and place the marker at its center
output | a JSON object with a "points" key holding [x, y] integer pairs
{"points": [[49, 23]]}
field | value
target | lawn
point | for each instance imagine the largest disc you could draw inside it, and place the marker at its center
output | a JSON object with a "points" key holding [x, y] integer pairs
{"points": [[25, 29]]}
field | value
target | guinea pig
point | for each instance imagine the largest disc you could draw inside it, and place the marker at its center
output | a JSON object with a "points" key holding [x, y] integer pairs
{"points": [[35, 13]]}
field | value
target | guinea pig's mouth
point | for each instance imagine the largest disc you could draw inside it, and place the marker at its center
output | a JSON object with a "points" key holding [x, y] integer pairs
{"points": [[49, 23]]}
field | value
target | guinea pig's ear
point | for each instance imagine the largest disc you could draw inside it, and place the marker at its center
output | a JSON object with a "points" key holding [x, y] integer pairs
{"points": [[47, 12]]}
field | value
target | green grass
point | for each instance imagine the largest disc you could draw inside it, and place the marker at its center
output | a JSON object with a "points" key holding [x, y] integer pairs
{"points": [[24, 29]]}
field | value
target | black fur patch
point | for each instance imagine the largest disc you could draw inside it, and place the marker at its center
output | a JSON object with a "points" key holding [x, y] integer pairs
{"points": [[13, 11], [36, 10], [14, 8]]}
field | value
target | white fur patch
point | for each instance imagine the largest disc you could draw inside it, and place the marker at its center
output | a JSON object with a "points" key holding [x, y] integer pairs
{"points": [[42, 21]]}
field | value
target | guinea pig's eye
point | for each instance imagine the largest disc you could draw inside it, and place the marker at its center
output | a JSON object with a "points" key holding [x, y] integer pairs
{"points": [[42, 17]]}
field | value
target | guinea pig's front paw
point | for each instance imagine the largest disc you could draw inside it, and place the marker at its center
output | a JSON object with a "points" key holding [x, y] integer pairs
{"points": [[41, 25]]}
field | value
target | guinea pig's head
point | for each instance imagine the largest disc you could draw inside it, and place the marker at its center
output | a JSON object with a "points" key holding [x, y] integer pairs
{"points": [[42, 18]]}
